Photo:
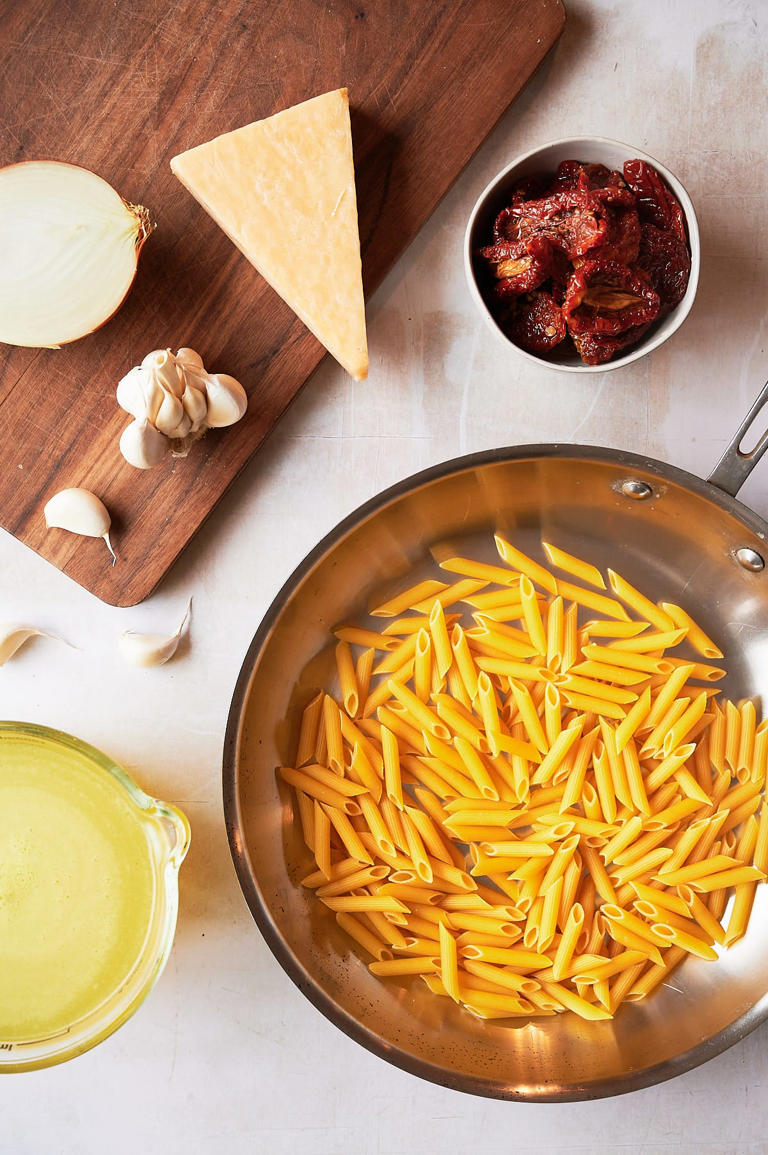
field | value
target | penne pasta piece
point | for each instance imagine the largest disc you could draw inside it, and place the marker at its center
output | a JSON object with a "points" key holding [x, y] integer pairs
{"points": [[702, 671], [574, 1002], [363, 671], [555, 634], [357, 903], [349, 836], [404, 627], [519, 561], [573, 683], [604, 782], [464, 661], [407, 599], [726, 878], [574, 565], [643, 606], [449, 967], [419, 713], [345, 667], [624, 659], [628, 727], [599, 602], [594, 705], [310, 723], [316, 789], [532, 615], [746, 738], [429, 834], [575, 783], [305, 806], [397, 658], [674, 936], [529, 716], [701, 914], [450, 595], [654, 642], [567, 945], [388, 968], [614, 629], [357, 636], [392, 780], [696, 636], [322, 843], [354, 927], [478, 570], [352, 882], [488, 711]]}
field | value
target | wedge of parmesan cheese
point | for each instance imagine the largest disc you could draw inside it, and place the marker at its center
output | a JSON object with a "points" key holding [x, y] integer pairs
{"points": [[283, 189]]}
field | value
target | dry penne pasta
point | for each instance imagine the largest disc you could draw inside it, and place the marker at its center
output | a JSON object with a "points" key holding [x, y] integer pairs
{"points": [[530, 813]]}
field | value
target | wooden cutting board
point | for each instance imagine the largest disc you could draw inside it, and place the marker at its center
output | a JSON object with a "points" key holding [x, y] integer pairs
{"points": [[120, 88]]}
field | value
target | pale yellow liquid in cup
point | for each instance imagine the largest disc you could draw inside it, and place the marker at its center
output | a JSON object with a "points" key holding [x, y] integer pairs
{"points": [[77, 887]]}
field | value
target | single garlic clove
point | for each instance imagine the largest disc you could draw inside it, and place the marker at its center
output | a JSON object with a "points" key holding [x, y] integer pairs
{"points": [[142, 445], [79, 511], [151, 649], [139, 394], [195, 406], [169, 415], [189, 359], [13, 637], [227, 400]]}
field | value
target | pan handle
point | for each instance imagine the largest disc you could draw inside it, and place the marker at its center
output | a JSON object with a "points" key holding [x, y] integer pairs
{"points": [[735, 466]]}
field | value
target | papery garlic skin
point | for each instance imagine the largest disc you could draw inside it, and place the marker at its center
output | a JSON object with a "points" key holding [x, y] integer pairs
{"points": [[13, 637], [79, 511], [173, 397]]}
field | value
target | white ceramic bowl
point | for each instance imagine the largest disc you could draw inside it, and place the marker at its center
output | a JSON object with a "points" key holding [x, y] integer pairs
{"points": [[594, 150]]}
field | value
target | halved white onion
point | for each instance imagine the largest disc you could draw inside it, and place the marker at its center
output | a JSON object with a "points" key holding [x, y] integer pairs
{"points": [[69, 246]]}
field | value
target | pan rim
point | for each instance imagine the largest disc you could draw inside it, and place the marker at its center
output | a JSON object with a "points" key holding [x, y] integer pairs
{"points": [[306, 983]]}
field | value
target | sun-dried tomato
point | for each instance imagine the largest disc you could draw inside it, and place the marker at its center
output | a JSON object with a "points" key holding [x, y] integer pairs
{"points": [[596, 348], [518, 266], [666, 260], [537, 323], [574, 220], [606, 297], [655, 203], [573, 174], [622, 242]]}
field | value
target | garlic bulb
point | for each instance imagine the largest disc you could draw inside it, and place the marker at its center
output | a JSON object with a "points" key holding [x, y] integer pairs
{"points": [[173, 401], [70, 245], [79, 511], [151, 649]]}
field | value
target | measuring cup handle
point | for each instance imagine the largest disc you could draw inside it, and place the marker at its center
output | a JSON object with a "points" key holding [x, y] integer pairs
{"points": [[735, 466], [179, 832]]}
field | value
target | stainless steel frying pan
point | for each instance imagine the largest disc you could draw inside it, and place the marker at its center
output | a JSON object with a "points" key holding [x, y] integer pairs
{"points": [[673, 535]]}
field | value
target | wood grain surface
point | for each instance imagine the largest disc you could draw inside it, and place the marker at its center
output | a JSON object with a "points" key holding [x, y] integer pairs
{"points": [[120, 88]]}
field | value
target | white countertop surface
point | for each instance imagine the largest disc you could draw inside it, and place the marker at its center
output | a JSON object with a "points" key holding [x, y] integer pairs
{"points": [[225, 1055]]}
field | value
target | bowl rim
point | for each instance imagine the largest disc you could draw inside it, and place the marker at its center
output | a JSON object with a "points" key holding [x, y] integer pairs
{"points": [[308, 985], [678, 314]]}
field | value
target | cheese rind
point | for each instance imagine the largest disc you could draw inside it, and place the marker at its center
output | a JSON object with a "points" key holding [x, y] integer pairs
{"points": [[283, 190]]}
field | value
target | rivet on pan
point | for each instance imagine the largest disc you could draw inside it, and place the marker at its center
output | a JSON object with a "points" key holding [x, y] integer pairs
{"points": [[637, 490], [750, 559]]}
